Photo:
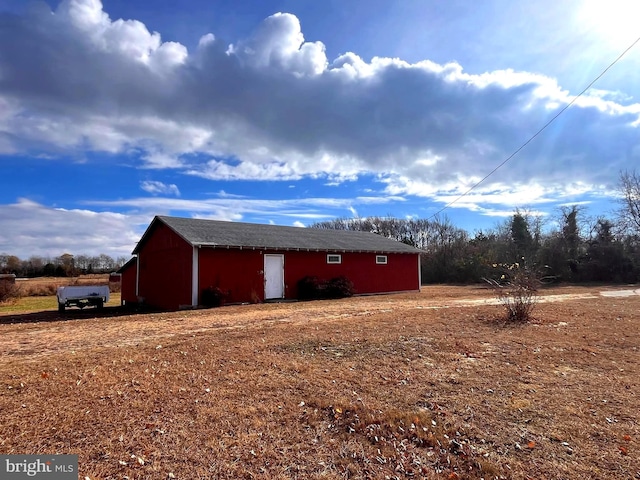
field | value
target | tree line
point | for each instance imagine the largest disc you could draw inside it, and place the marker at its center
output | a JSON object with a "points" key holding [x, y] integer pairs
{"points": [[572, 247], [66, 265]]}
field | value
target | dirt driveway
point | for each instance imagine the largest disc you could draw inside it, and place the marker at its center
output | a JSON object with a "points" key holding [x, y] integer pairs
{"points": [[35, 334]]}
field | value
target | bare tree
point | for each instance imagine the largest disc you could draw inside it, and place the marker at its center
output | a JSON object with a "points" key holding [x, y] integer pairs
{"points": [[13, 265], [629, 212]]}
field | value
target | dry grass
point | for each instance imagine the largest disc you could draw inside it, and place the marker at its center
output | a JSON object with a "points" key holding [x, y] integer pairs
{"points": [[40, 304], [402, 386], [8, 291], [47, 286]]}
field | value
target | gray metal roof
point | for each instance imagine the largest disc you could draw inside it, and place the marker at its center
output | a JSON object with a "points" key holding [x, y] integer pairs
{"points": [[216, 233]]}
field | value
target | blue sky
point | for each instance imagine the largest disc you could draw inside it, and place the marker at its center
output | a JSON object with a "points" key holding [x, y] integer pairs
{"points": [[291, 112]]}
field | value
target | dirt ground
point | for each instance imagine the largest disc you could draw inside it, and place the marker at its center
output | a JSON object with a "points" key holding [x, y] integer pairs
{"points": [[414, 385]]}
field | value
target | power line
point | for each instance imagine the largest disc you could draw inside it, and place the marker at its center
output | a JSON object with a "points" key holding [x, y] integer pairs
{"points": [[553, 119]]}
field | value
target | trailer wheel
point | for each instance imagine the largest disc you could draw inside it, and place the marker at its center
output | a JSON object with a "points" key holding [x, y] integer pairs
{"points": [[61, 307], [100, 304]]}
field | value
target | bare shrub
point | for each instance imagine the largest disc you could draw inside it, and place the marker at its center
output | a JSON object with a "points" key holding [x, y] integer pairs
{"points": [[517, 290], [8, 291], [309, 288], [339, 287], [312, 288], [39, 290], [213, 297]]}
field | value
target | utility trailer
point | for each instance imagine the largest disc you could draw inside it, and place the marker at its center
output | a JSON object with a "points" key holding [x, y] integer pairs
{"points": [[82, 296]]}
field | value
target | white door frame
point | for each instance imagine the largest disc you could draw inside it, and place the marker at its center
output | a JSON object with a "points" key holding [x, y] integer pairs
{"points": [[273, 277]]}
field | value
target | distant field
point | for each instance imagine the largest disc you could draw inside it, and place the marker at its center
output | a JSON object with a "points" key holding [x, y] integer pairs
{"points": [[425, 385], [44, 285], [42, 303], [90, 279]]}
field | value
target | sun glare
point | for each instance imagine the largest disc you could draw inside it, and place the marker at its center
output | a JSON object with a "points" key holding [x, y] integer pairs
{"points": [[616, 23]]}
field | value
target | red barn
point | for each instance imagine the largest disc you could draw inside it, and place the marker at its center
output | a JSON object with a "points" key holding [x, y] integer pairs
{"points": [[177, 258]]}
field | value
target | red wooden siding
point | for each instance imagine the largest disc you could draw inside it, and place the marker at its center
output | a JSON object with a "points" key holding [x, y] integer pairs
{"points": [[165, 262], [128, 285], [240, 272], [399, 274]]}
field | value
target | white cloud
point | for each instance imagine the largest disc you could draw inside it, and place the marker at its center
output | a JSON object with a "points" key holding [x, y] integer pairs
{"points": [[223, 194], [221, 170], [129, 38], [234, 207], [278, 43], [159, 188], [273, 106], [160, 161], [30, 228], [499, 199]]}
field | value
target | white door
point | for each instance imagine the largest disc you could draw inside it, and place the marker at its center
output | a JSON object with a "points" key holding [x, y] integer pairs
{"points": [[273, 276]]}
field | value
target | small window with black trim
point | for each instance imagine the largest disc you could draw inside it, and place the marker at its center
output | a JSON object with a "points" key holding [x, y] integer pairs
{"points": [[381, 259], [333, 258]]}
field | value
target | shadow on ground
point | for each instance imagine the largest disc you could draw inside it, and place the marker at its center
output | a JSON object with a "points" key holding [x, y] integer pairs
{"points": [[70, 315]]}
